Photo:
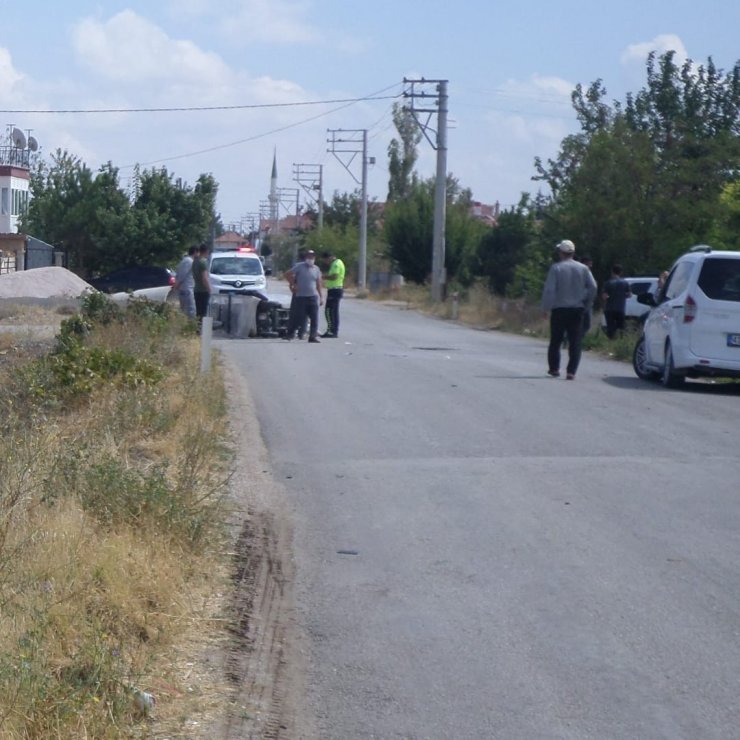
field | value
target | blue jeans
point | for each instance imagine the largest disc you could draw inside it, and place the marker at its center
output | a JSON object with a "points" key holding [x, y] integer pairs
{"points": [[187, 303]]}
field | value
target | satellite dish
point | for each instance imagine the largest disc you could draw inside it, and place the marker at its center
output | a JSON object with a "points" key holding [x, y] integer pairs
{"points": [[19, 139], [33, 145]]}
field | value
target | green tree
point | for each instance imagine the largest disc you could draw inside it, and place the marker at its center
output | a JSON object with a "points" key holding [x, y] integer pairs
{"points": [[505, 247], [74, 209], [344, 210], [726, 232], [409, 232], [90, 217], [402, 153], [643, 180], [169, 216]]}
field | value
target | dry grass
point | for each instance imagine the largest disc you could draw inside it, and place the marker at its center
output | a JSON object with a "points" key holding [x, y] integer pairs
{"points": [[112, 567], [477, 307], [31, 314]]}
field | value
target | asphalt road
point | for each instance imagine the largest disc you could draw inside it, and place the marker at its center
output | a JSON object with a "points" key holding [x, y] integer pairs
{"points": [[486, 552]]}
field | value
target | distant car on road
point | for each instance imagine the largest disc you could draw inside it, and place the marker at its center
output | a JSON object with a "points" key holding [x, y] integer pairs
{"points": [[693, 329], [133, 278]]}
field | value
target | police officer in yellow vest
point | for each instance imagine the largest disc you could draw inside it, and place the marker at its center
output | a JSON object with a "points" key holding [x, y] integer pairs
{"points": [[334, 283]]}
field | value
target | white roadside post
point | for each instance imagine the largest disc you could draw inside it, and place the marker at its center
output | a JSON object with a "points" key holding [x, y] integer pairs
{"points": [[206, 332]]}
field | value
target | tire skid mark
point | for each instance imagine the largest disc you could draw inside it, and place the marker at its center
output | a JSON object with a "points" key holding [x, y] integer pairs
{"points": [[255, 663]]}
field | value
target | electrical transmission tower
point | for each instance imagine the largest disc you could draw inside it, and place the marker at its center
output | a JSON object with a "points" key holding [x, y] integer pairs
{"points": [[418, 92], [310, 178], [346, 144]]}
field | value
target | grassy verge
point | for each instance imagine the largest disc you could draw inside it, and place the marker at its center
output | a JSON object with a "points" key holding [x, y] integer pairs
{"points": [[113, 474]]}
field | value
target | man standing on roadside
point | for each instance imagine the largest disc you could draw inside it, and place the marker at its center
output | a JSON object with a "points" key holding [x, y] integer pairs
{"points": [[334, 283], [201, 283], [616, 292], [569, 288], [184, 283], [304, 279]]}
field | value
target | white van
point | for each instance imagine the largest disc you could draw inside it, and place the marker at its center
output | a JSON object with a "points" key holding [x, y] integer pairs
{"points": [[239, 271], [693, 329]]}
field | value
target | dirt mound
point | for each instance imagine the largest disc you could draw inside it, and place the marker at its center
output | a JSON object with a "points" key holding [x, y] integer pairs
{"points": [[42, 282]]}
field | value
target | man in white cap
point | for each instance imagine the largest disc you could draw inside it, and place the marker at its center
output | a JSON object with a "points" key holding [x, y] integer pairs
{"points": [[569, 289]]}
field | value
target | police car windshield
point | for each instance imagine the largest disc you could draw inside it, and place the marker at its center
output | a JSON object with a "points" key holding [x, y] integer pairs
{"points": [[236, 266]]}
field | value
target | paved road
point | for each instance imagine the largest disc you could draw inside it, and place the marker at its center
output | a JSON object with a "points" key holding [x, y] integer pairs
{"points": [[486, 552]]}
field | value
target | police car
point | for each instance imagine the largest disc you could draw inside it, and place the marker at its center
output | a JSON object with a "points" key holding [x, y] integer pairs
{"points": [[238, 272]]}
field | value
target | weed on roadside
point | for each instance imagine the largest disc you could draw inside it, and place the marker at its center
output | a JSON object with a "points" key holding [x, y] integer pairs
{"points": [[112, 482]]}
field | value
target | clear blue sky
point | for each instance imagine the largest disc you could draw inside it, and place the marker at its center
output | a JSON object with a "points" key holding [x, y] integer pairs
{"points": [[510, 65]]}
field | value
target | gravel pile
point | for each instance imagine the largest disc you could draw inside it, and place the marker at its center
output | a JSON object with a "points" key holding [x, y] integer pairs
{"points": [[42, 283]]}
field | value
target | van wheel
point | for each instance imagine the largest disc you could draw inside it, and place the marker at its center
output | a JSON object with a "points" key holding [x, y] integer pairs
{"points": [[639, 365], [670, 378]]}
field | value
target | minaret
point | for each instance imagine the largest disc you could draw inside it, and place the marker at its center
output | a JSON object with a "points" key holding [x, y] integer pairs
{"points": [[273, 197]]}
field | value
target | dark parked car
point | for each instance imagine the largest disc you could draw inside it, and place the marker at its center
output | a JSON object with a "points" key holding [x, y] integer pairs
{"points": [[133, 278]]}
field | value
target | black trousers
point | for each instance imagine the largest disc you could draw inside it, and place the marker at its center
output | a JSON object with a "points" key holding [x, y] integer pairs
{"points": [[565, 321], [293, 320], [331, 310], [201, 304], [305, 306], [614, 323]]}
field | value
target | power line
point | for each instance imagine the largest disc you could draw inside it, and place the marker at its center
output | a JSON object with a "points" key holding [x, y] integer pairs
{"points": [[190, 109], [372, 96]]}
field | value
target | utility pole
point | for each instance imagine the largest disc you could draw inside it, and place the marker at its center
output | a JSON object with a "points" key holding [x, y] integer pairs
{"points": [[290, 197], [417, 90], [349, 148], [250, 222], [311, 178]]}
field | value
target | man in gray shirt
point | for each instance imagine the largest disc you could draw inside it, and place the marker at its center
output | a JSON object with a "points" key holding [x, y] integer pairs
{"points": [[184, 283], [569, 288], [304, 279]]}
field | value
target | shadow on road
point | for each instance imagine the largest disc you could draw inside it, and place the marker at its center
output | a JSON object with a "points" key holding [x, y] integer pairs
{"points": [[691, 386]]}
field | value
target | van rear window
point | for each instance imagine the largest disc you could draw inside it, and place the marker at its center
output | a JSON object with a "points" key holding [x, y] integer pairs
{"points": [[720, 278]]}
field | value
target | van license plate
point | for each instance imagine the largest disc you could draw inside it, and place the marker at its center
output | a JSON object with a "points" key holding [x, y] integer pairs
{"points": [[733, 340]]}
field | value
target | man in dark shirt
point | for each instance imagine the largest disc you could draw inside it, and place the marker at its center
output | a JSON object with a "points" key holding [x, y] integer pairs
{"points": [[616, 292]]}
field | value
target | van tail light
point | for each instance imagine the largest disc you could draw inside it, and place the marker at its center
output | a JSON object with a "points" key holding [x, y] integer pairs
{"points": [[689, 310]]}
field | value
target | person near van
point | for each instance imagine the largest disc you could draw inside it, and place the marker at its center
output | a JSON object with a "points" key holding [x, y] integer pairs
{"points": [[304, 279], [201, 282], [659, 285], [334, 283], [569, 288], [615, 294], [184, 283]]}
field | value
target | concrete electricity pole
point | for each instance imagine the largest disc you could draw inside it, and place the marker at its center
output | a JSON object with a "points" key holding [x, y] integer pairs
{"points": [[310, 178], [354, 144], [417, 90]]}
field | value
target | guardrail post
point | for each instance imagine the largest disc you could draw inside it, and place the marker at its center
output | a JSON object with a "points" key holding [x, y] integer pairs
{"points": [[206, 333]]}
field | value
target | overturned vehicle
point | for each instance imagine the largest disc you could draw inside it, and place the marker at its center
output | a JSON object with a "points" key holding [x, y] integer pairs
{"points": [[254, 315]]}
